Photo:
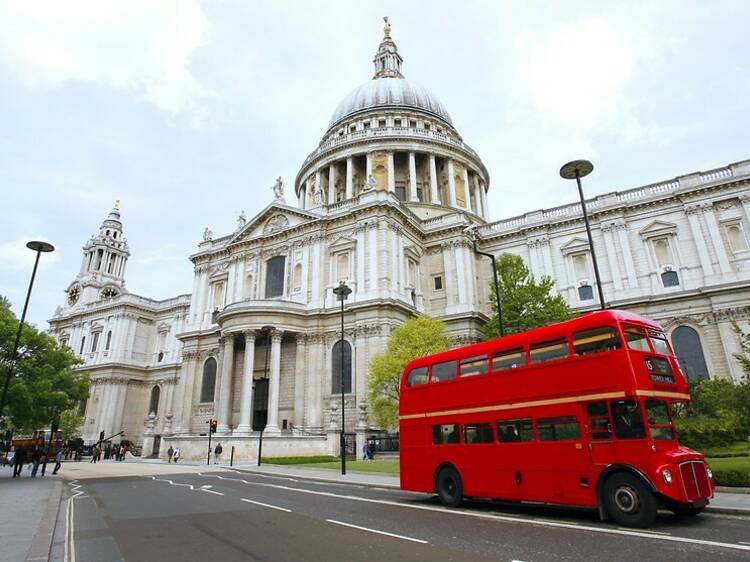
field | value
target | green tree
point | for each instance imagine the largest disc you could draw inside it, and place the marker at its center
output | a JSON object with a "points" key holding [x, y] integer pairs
{"points": [[71, 423], [527, 303], [44, 384], [421, 335]]}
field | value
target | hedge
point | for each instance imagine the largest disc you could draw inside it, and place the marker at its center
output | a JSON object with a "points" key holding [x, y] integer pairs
{"points": [[731, 477], [704, 432]]}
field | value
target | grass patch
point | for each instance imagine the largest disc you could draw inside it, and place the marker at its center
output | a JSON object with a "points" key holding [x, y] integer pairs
{"points": [[738, 449], [384, 466], [300, 460], [730, 471]]}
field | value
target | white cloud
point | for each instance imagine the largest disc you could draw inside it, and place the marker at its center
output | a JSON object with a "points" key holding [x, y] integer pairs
{"points": [[14, 255], [142, 47]]}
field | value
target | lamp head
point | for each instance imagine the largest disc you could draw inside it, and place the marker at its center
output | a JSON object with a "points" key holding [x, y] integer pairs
{"points": [[576, 169], [39, 246]]}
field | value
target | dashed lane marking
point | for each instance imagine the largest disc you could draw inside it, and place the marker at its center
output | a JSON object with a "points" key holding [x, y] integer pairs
{"points": [[509, 518], [412, 539], [266, 505]]}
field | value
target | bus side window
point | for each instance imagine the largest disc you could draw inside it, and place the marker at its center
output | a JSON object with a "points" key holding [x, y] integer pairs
{"points": [[599, 426], [445, 434], [478, 433], [473, 366], [417, 376], [443, 371], [558, 429], [627, 419], [509, 359], [596, 341], [549, 351], [514, 431]]}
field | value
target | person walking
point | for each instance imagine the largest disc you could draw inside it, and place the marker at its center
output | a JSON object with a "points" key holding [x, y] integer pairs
{"points": [[217, 453], [36, 457], [18, 459], [58, 461], [365, 452], [170, 452], [176, 455], [95, 452]]}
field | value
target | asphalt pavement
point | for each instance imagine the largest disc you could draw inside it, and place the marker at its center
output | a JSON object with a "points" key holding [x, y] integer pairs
{"points": [[245, 515]]}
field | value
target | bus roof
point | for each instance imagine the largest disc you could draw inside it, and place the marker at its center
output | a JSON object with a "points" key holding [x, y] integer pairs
{"points": [[584, 321]]}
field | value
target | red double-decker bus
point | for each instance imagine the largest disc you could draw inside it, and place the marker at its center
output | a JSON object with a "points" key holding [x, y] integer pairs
{"points": [[575, 413]]}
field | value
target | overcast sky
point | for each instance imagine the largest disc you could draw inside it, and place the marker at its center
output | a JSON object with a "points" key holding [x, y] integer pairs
{"points": [[187, 111]]}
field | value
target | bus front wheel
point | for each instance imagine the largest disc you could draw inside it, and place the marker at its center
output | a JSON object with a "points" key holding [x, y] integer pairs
{"points": [[628, 501], [450, 490]]}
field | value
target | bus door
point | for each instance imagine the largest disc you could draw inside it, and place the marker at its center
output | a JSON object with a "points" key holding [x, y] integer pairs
{"points": [[631, 446], [599, 432]]}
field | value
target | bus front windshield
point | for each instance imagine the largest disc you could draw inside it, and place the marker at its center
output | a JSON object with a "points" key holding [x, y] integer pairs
{"points": [[659, 422]]}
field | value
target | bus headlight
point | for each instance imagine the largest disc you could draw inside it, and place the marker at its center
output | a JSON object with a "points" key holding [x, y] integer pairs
{"points": [[667, 475], [710, 474]]}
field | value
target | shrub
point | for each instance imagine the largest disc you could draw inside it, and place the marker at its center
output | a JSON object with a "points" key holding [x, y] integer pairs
{"points": [[731, 477], [703, 432]]}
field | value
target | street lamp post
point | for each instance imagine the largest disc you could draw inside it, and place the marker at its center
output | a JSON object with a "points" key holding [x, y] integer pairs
{"points": [[38, 247], [474, 237], [342, 292], [578, 169]]}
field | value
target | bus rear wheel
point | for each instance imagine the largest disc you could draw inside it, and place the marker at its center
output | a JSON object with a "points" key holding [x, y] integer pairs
{"points": [[450, 489], [628, 501]]}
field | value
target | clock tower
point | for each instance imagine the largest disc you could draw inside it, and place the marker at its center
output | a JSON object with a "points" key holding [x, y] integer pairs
{"points": [[102, 273]]}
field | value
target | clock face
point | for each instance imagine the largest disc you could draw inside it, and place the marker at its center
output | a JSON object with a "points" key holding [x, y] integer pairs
{"points": [[109, 293], [73, 294]]}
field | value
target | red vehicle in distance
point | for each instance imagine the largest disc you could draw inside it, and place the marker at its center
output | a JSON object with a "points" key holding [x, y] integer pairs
{"points": [[575, 413]]}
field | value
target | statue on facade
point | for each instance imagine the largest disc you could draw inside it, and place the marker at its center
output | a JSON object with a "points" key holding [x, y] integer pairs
{"points": [[318, 195], [370, 183], [207, 235], [241, 220], [278, 189]]}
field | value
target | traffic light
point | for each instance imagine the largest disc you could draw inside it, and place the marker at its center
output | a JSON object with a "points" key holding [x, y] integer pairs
{"points": [[213, 423], [101, 436]]}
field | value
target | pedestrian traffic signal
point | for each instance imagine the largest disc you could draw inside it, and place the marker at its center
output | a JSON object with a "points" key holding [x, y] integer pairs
{"points": [[213, 423]]}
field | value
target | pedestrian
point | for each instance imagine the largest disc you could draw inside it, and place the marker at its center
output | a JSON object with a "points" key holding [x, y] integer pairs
{"points": [[122, 453], [36, 457], [365, 452], [371, 452], [176, 455], [217, 453], [170, 452], [95, 452], [58, 460], [18, 459]]}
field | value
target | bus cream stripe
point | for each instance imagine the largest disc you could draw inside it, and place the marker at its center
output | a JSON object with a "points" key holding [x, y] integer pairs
{"points": [[662, 394], [517, 405]]}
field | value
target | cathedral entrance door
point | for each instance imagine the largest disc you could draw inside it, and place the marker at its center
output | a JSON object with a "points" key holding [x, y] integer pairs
{"points": [[157, 444], [260, 404]]}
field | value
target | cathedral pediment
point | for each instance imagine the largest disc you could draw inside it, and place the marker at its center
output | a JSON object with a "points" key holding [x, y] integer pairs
{"points": [[342, 243], [658, 228], [575, 245], [274, 218]]}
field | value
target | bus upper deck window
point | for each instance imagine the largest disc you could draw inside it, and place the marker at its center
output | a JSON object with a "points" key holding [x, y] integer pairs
{"points": [[473, 366], [508, 359], [417, 376], [549, 350], [596, 341], [636, 338], [443, 371], [659, 341]]}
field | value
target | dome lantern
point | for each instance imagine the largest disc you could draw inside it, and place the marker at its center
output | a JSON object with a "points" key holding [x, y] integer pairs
{"points": [[387, 60]]}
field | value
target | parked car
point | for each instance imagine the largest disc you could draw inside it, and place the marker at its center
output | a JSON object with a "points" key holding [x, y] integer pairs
{"points": [[7, 458]]}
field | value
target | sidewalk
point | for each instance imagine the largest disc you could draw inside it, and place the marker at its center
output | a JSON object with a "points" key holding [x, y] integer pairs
{"points": [[28, 514], [724, 502]]}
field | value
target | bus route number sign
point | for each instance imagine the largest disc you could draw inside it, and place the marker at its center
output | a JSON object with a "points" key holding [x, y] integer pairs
{"points": [[659, 370]]}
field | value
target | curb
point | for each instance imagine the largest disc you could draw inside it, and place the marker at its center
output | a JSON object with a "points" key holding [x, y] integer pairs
{"points": [[733, 490], [41, 544], [728, 510]]}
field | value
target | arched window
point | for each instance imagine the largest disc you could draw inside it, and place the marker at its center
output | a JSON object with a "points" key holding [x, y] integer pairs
{"points": [[275, 276], [336, 367], [689, 351], [208, 384], [153, 405]]}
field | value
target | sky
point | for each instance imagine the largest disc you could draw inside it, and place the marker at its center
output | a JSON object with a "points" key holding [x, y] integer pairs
{"points": [[186, 110]]}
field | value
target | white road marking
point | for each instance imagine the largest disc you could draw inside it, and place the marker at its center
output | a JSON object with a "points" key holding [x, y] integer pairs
{"points": [[211, 492], [207, 486], [743, 542], [266, 505], [512, 519], [420, 541], [69, 550]]}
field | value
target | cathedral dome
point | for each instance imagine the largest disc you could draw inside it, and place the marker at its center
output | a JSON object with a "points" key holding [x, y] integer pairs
{"points": [[391, 92]]}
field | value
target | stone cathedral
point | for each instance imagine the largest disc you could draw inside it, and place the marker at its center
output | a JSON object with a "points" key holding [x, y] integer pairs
{"points": [[382, 203]]}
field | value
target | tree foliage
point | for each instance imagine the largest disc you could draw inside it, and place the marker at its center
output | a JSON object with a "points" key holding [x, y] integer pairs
{"points": [[419, 336], [526, 302], [71, 423], [44, 384]]}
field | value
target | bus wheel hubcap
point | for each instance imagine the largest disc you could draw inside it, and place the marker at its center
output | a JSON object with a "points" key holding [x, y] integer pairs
{"points": [[626, 499], [450, 486]]}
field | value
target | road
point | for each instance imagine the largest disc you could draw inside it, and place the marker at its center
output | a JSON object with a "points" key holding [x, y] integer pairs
{"points": [[231, 515]]}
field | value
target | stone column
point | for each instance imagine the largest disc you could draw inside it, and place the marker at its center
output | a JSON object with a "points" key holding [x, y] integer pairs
{"points": [[182, 424], [434, 197], [300, 369], [413, 196], [272, 427], [246, 398], [485, 208], [224, 412], [332, 183], [391, 173], [373, 255], [614, 267], [360, 234], [301, 197], [368, 166], [451, 185], [715, 235], [692, 212], [467, 190], [627, 255], [350, 178], [477, 196]]}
